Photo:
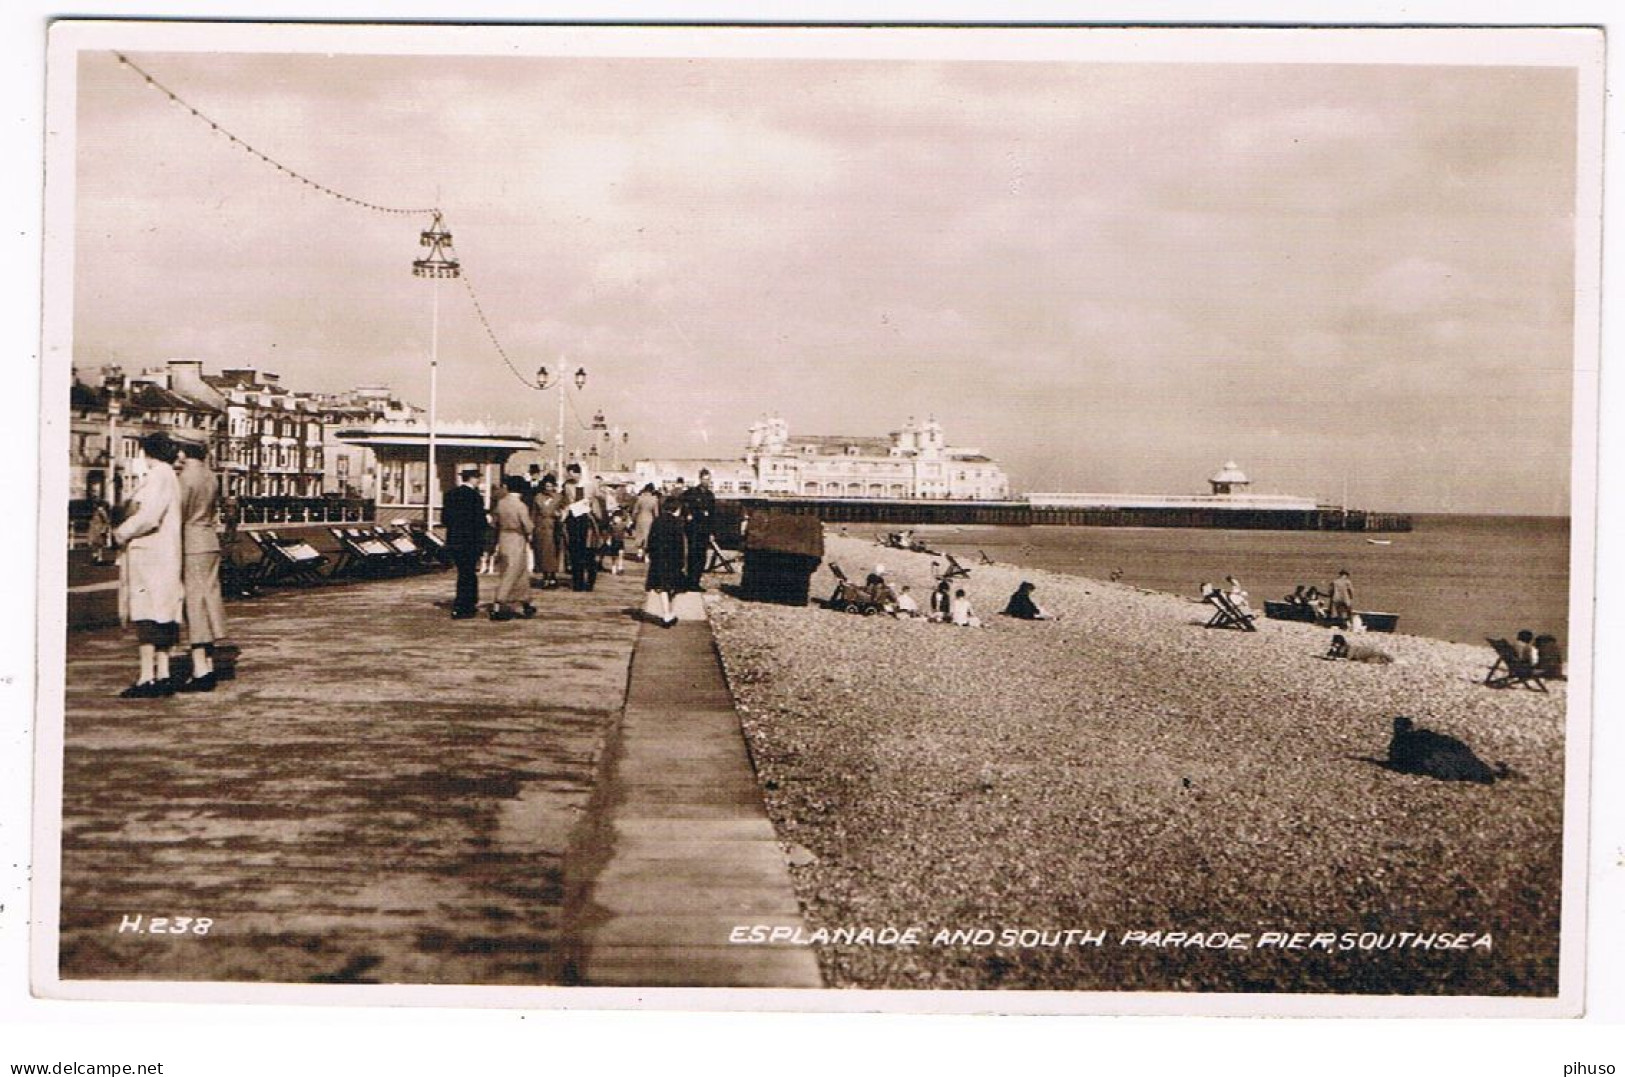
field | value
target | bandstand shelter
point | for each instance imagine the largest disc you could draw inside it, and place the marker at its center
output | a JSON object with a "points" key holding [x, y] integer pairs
{"points": [[402, 452]]}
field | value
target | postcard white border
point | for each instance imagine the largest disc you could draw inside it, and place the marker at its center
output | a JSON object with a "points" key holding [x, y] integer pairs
{"points": [[1577, 47]]}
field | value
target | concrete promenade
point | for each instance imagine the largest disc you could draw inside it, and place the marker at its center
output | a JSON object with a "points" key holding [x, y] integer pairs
{"points": [[384, 795]]}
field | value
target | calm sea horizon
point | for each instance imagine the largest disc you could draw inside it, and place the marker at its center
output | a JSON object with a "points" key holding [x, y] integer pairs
{"points": [[1458, 578]]}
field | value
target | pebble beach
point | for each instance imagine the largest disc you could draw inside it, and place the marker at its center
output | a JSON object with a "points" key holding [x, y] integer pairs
{"points": [[1123, 776]]}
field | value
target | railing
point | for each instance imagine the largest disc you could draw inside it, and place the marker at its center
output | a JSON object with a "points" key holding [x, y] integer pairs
{"points": [[305, 510]]}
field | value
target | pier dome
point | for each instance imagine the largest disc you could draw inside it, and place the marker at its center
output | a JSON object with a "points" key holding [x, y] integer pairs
{"points": [[1229, 479]]}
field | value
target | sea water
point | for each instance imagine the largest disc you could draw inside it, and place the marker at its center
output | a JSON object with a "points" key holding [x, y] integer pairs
{"points": [[1457, 578]]}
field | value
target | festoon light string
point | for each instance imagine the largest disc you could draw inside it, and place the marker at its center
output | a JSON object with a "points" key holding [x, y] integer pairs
{"points": [[323, 188]]}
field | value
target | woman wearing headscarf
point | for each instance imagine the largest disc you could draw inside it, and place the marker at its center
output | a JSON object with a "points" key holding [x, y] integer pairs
{"points": [[150, 592]]}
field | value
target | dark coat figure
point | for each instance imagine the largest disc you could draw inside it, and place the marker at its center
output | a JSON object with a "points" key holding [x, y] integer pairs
{"points": [[664, 549], [1021, 604], [464, 517], [700, 507], [1436, 755]]}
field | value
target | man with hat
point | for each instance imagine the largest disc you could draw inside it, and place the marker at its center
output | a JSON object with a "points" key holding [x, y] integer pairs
{"points": [[200, 559], [464, 517]]}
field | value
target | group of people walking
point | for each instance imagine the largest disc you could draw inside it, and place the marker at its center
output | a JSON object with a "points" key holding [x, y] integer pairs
{"points": [[539, 528], [169, 564]]}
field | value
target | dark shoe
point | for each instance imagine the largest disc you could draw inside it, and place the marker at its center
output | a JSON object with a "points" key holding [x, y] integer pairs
{"points": [[144, 690], [204, 683], [528, 611], [501, 615]]}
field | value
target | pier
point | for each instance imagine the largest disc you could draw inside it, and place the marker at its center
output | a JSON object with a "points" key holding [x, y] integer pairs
{"points": [[1020, 513]]}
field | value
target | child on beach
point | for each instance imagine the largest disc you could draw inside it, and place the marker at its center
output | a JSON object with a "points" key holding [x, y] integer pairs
{"points": [[960, 611], [941, 599], [906, 606]]}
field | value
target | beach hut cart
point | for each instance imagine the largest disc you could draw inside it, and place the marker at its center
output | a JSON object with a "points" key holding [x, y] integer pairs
{"points": [[782, 551]]}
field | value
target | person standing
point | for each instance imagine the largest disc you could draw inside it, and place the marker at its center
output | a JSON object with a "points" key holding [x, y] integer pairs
{"points": [[644, 512], [1342, 601], [200, 573], [700, 506], [150, 592], [544, 532], [513, 528], [581, 539], [569, 494], [664, 551], [99, 527], [464, 517]]}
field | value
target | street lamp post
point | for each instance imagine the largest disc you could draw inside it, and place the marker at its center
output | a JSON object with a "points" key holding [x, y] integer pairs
{"points": [[544, 381], [440, 262]]}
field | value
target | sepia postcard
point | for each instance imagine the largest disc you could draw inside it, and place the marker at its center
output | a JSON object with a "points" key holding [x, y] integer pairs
{"points": [[1068, 519]]}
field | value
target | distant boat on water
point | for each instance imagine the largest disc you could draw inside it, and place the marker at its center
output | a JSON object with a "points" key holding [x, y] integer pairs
{"points": [[1381, 542]]}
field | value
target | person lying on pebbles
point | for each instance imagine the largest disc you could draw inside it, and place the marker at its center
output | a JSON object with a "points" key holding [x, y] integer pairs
{"points": [[1357, 652]]}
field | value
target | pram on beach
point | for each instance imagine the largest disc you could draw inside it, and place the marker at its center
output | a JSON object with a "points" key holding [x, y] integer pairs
{"points": [[850, 597]]}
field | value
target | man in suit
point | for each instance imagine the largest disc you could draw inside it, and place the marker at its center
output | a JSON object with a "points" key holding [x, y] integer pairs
{"points": [[200, 560], [700, 507], [464, 517]]}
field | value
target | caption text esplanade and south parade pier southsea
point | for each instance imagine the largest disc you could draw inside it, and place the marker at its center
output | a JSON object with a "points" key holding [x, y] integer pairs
{"points": [[1054, 938], [367, 447]]}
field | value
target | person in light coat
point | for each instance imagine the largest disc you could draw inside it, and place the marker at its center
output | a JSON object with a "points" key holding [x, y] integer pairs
{"points": [[200, 571], [150, 592], [513, 527]]}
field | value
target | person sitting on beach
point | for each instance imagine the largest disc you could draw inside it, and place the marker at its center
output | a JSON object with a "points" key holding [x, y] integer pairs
{"points": [[1342, 649], [1207, 590], [1525, 648], [906, 606], [1021, 605], [1237, 596], [941, 601], [880, 592], [960, 612]]}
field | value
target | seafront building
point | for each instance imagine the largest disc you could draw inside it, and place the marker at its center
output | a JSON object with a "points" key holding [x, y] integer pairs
{"points": [[912, 463]]}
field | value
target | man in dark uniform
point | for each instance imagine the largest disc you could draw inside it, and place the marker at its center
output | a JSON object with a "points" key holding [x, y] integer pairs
{"points": [[700, 506], [464, 517]]}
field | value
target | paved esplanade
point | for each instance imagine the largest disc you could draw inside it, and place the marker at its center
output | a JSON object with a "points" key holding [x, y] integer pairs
{"points": [[386, 795]]}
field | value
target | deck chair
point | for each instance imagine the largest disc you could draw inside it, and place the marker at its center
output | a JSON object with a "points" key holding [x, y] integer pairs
{"points": [[1226, 614], [955, 570], [983, 559], [721, 560], [434, 547], [412, 557], [293, 560], [1510, 670], [362, 552]]}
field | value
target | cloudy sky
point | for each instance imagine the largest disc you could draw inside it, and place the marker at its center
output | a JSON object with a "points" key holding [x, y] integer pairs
{"points": [[1109, 276]]}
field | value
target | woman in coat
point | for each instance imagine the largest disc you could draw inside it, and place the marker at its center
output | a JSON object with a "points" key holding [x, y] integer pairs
{"points": [[643, 518], [666, 550], [544, 533], [150, 592], [513, 528]]}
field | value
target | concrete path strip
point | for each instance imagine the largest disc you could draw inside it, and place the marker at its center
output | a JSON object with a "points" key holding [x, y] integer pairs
{"points": [[689, 852]]}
